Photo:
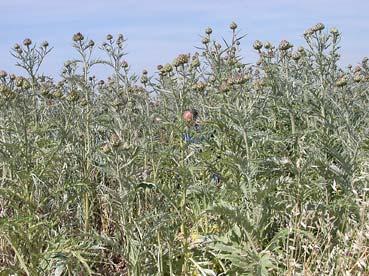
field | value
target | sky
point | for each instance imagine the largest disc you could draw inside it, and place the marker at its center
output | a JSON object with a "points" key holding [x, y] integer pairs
{"points": [[157, 31]]}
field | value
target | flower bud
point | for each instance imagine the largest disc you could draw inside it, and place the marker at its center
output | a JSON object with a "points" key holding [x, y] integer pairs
{"points": [[78, 37], [268, 45], [296, 56], [109, 37], [233, 26], [3, 74], [318, 27], [205, 40], [27, 42], [334, 32], [285, 45], [341, 82], [91, 43], [258, 45], [208, 31]]}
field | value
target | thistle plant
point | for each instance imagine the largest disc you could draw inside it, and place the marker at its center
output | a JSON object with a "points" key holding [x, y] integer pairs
{"points": [[210, 166]]}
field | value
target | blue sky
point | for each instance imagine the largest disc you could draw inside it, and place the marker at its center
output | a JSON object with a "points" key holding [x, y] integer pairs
{"points": [[157, 31]]}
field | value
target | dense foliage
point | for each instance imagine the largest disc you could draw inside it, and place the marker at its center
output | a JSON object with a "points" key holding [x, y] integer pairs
{"points": [[105, 177]]}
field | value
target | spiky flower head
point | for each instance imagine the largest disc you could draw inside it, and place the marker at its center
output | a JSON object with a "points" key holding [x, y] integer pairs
{"points": [[341, 82], [91, 43], [195, 63], [205, 40], [144, 79], [296, 56], [334, 32], [199, 86], [58, 94], [268, 45], [78, 37], [318, 27], [18, 81], [3, 74], [308, 32], [167, 68], [27, 42], [45, 44], [125, 64], [105, 148], [285, 45], [233, 26], [109, 37], [208, 31], [182, 59], [358, 77], [257, 45]]}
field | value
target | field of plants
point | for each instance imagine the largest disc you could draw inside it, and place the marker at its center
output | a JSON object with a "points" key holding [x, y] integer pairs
{"points": [[208, 166]]}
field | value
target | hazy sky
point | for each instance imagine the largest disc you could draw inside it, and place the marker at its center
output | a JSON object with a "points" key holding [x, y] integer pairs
{"points": [[159, 30]]}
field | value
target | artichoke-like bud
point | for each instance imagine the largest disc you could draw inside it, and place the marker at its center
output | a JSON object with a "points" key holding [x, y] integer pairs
{"points": [[182, 59], [233, 26], [109, 37], [144, 79], [78, 37], [105, 148], [27, 42], [334, 32], [91, 43], [44, 91], [208, 31], [45, 44], [114, 140], [257, 45], [205, 40], [167, 68], [341, 82], [285, 45], [318, 27], [58, 94], [3, 74], [268, 45], [25, 84], [195, 63], [199, 86], [125, 64], [296, 56], [309, 32], [18, 81]]}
